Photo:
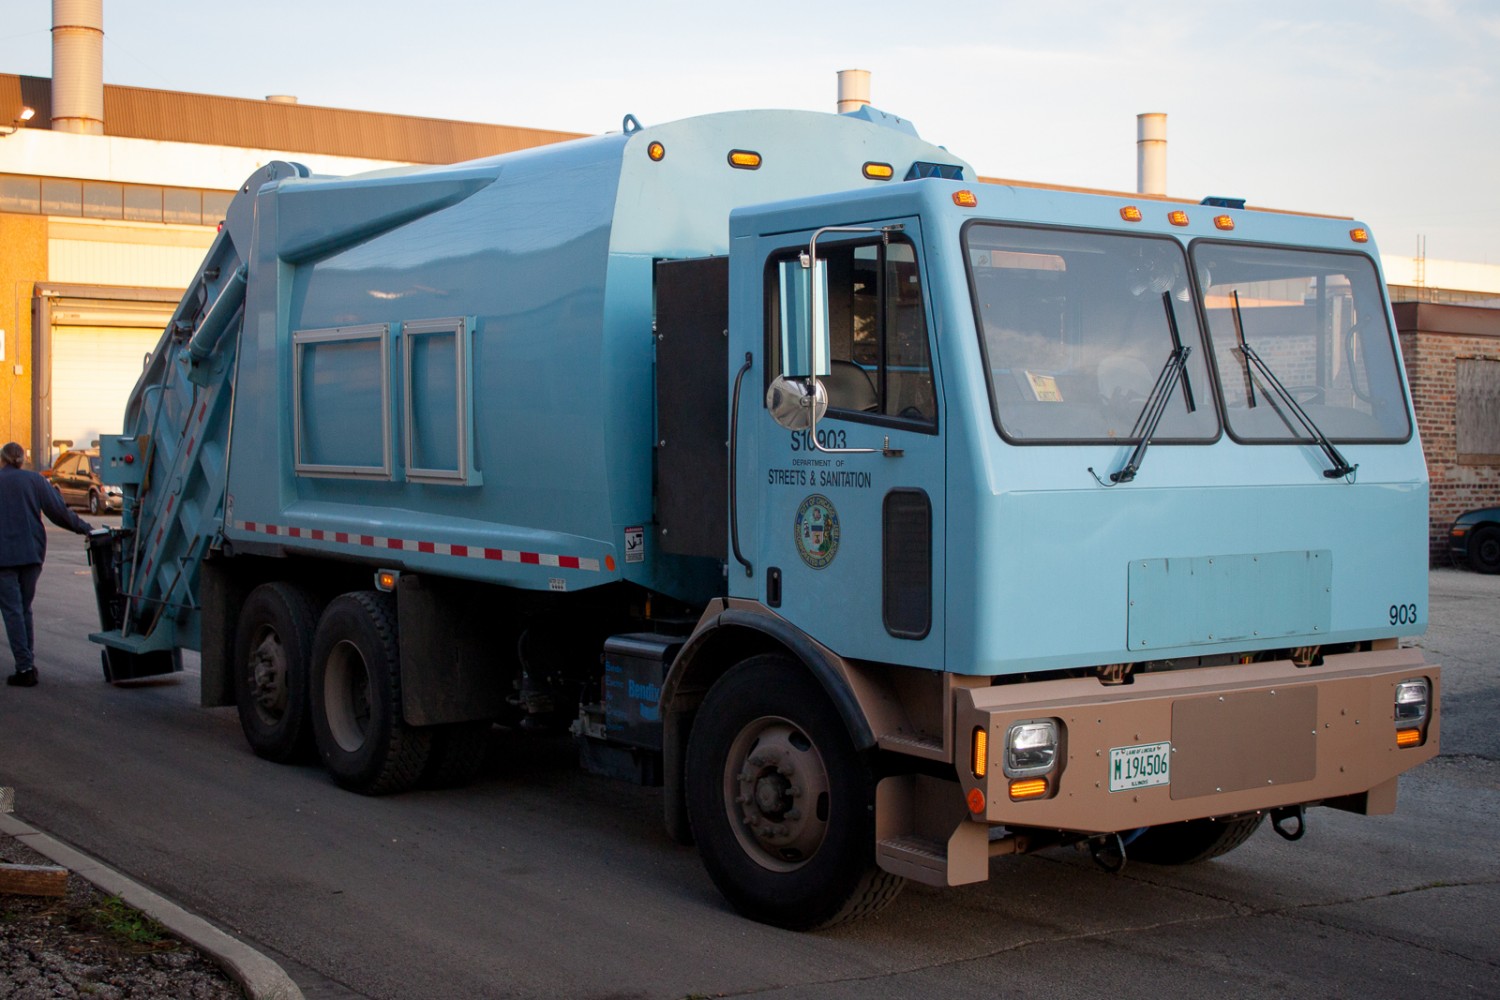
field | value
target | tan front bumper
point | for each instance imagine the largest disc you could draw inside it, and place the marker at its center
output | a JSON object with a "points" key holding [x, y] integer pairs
{"points": [[1243, 738]]}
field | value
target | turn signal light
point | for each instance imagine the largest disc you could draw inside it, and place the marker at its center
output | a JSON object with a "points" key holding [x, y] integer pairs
{"points": [[1028, 788], [879, 171], [1177, 217], [1359, 235], [385, 580], [979, 756], [965, 199], [656, 151], [744, 159], [1408, 737]]}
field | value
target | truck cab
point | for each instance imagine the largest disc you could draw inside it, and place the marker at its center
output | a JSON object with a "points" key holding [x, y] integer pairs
{"points": [[1111, 505]]}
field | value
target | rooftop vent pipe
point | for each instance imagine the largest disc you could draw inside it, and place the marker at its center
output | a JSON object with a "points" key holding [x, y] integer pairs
{"points": [[1151, 153], [78, 66], [854, 90]]}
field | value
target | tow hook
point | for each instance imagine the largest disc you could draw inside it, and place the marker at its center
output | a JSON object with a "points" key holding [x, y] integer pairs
{"points": [[1108, 852], [1288, 815]]}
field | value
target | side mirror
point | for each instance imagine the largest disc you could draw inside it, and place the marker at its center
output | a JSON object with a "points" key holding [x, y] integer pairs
{"points": [[796, 404], [804, 318]]}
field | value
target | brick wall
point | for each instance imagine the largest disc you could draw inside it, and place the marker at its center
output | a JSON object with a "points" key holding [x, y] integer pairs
{"points": [[1433, 339]]}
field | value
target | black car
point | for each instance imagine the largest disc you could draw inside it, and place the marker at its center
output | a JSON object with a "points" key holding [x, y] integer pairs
{"points": [[1474, 538], [76, 476]]}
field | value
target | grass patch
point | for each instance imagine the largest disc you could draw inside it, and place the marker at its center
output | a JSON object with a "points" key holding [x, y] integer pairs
{"points": [[116, 918]]}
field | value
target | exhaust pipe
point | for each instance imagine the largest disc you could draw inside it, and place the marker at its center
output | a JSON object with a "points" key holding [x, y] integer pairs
{"points": [[854, 90]]}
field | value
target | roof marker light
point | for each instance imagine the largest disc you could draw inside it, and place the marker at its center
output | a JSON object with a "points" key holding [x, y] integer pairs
{"points": [[1225, 222], [1177, 217], [879, 171], [744, 159], [656, 151], [965, 199], [1359, 235], [1131, 213]]}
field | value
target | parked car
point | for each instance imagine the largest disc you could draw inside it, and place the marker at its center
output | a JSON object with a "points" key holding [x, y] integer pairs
{"points": [[76, 476], [1474, 538]]}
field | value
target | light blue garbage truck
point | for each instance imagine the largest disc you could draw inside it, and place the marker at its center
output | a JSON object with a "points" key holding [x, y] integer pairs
{"points": [[891, 520]]}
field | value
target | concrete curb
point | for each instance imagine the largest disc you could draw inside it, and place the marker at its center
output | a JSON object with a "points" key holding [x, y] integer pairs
{"points": [[261, 978]]}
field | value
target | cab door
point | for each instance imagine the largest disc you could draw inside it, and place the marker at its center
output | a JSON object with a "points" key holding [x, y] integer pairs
{"points": [[848, 518]]}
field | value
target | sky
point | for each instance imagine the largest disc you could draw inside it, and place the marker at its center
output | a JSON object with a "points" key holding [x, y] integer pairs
{"points": [[1384, 110]]}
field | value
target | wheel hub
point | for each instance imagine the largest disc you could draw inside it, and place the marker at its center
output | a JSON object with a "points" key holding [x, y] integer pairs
{"points": [[268, 676], [777, 792]]}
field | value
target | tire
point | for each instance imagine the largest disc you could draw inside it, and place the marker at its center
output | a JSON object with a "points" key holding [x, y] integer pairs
{"points": [[272, 650], [456, 755], [356, 698], [781, 805], [1484, 550], [1194, 841], [96, 503]]}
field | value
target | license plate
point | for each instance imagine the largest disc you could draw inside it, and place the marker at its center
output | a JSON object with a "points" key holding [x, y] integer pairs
{"points": [[1140, 767]]}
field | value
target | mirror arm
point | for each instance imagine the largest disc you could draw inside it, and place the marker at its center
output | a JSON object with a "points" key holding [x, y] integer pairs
{"points": [[810, 260]]}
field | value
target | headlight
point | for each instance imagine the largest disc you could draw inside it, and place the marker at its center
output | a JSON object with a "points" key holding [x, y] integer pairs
{"points": [[1412, 698], [1030, 748]]}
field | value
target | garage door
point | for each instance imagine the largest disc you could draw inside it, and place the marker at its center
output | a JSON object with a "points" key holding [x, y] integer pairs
{"points": [[93, 370]]}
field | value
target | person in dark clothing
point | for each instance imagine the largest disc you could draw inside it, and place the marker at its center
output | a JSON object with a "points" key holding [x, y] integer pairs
{"points": [[24, 498]]}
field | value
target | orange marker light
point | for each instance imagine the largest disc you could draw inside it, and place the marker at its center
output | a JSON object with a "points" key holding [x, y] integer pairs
{"points": [[1130, 213], [1408, 737], [975, 799], [656, 151], [965, 199], [1177, 218], [1225, 222], [609, 563], [1028, 788], [1359, 235], [980, 752], [744, 159], [879, 171]]}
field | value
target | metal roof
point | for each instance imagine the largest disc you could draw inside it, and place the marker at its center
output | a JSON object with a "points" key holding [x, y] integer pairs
{"points": [[166, 115]]}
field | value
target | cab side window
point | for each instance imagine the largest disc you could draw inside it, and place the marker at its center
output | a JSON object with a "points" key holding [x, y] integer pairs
{"points": [[880, 362]]}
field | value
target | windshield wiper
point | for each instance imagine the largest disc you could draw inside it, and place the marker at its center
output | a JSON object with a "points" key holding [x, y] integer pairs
{"points": [[1155, 408], [1341, 466]]}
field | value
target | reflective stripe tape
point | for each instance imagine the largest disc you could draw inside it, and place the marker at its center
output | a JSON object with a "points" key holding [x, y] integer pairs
{"points": [[424, 547]]}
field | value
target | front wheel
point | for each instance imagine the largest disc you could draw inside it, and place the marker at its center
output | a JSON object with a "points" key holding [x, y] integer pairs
{"points": [[96, 503], [782, 805], [356, 698]]}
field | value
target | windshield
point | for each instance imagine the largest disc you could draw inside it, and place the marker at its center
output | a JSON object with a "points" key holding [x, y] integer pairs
{"points": [[1077, 328], [1318, 322]]}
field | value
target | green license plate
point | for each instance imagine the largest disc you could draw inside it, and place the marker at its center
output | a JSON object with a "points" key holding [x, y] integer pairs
{"points": [[1140, 766]]}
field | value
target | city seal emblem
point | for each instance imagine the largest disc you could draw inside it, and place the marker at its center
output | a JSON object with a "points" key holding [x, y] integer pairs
{"points": [[817, 531]]}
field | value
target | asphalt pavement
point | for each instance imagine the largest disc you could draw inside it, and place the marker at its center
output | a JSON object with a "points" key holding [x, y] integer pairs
{"points": [[542, 881]]}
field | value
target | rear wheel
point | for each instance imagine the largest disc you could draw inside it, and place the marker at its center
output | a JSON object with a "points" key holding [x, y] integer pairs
{"points": [[272, 647], [782, 805], [96, 502], [1194, 841], [356, 698], [1484, 550]]}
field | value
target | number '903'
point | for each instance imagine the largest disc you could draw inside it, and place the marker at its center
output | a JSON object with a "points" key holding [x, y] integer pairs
{"points": [[1403, 614]]}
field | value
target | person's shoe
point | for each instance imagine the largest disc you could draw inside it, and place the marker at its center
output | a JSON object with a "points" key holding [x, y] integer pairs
{"points": [[22, 679]]}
